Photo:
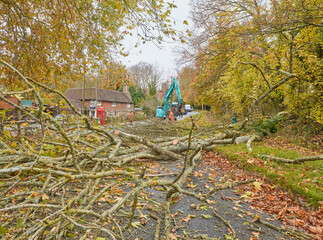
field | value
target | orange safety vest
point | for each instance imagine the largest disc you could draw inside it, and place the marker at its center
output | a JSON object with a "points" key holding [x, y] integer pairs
{"points": [[130, 116], [171, 116]]}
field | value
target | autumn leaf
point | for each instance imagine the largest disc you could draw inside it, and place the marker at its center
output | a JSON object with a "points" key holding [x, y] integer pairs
{"points": [[191, 185], [210, 201], [281, 213], [247, 195], [142, 215], [206, 216], [204, 207], [256, 218], [257, 186], [35, 194], [316, 230], [213, 174], [186, 219], [136, 224]]}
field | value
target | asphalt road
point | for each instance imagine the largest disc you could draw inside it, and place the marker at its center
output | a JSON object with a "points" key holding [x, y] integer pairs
{"points": [[187, 115], [193, 219]]}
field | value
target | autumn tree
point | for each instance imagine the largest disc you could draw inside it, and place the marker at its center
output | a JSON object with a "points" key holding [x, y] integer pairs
{"points": [[245, 49], [113, 76], [61, 41], [185, 78]]}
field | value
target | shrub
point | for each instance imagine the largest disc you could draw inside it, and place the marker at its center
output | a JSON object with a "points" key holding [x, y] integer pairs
{"points": [[148, 111], [263, 127]]}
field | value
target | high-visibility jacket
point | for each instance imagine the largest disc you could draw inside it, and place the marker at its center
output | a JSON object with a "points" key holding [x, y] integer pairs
{"points": [[171, 116], [130, 116]]}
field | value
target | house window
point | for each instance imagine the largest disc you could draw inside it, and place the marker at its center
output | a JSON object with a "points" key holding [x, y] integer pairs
{"points": [[92, 104], [128, 105], [98, 103], [114, 104], [111, 113], [116, 114]]}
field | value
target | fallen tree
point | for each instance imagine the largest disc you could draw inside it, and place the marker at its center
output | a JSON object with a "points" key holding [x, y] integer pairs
{"points": [[54, 179], [86, 181]]}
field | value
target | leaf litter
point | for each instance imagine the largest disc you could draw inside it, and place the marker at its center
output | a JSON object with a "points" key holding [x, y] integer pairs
{"points": [[268, 197]]}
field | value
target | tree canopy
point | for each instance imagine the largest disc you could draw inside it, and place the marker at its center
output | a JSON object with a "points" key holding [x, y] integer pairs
{"points": [[244, 48], [64, 39]]}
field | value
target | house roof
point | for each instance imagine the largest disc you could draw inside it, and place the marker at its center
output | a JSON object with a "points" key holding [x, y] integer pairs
{"points": [[5, 105], [98, 94]]}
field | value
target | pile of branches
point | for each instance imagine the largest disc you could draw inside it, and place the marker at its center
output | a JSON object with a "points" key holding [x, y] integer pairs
{"points": [[52, 181]]}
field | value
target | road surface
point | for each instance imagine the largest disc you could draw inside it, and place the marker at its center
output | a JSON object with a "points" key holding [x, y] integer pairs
{"points": [[187, 115]]}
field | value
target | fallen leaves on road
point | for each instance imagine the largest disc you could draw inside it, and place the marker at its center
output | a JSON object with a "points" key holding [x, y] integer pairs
{"points": [[268, 197]]}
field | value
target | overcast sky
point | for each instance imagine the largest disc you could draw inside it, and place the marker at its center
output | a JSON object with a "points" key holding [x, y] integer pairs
{"points": [[162, 56]]}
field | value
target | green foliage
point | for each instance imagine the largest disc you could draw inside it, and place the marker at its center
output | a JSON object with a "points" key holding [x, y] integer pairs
{"points": [[148, 111], [149, 106], [137, 95], [152, 89], [3, 231], [271, 125], [240, 61]]}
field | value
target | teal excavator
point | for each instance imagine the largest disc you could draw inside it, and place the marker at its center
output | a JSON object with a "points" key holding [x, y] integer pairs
{"points": [[163, 111]]}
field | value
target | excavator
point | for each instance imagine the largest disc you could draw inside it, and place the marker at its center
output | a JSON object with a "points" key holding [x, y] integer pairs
{"points": [[163, 111]]}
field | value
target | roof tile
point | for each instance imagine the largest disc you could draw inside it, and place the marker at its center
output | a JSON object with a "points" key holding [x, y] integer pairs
{"points": [[98, 94]]}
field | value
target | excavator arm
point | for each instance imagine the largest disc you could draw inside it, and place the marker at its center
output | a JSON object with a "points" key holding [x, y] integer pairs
{"points": [[161, 111], [178, 92], [167, 96]]}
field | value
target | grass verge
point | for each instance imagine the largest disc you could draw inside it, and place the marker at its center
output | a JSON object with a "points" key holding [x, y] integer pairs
{"points": [[305, 179]]}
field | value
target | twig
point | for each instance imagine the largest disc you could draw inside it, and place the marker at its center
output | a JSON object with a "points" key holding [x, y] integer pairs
{"points": [[226, 223]]}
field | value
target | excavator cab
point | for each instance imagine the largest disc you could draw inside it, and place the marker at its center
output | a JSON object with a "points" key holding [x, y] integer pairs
{"points": [[160, 112]]}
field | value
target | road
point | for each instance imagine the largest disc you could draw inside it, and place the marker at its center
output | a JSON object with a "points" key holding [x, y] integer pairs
{"points": [[187, 115]]}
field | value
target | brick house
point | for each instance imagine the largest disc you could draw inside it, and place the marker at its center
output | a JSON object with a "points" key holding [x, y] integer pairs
{"points": [[114, 103], [10, 111]]}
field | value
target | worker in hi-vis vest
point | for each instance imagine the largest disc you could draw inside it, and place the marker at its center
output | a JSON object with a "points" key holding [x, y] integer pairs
{"points": [[130, 116], [171, 116]]}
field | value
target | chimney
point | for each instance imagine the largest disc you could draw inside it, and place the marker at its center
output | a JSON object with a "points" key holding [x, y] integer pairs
{"points": [[126, 90]]}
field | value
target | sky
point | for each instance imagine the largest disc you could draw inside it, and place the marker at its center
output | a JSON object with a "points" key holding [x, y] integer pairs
{"points": [[163, 55]]}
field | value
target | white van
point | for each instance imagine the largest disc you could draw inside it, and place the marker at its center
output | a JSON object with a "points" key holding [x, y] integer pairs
{"points": [[188, 108]]}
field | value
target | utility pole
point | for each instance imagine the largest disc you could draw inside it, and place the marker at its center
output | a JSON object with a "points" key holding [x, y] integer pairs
{"points": [[83, 93]]}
